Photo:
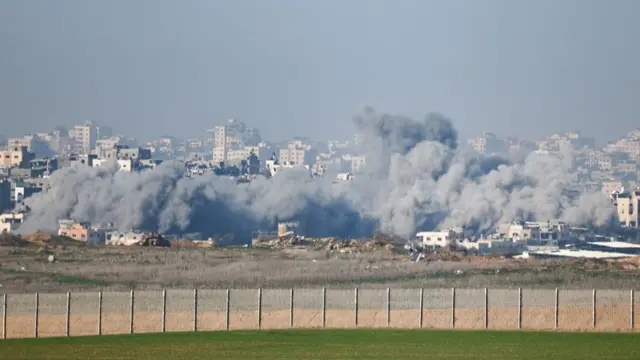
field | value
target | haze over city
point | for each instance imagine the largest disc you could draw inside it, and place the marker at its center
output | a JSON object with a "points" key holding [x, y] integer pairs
{"points": [[213, 165], [154, 68]]}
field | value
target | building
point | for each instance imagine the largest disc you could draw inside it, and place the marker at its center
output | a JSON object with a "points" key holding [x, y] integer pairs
{"points": [[440, 238], [235, 135], [297, 153], [273, 166], [5, 195], [134, 153], [16, 156], [627, 204], [127, 165], [43, 167], [287, 229], [535, 232], [131, 238], [80, 231], [148, 164], [85, 137], [10, 222], [25, 141], [82, 160], [488, 143], [21, 191], [358, 163], [104, 147], [609, 187]]}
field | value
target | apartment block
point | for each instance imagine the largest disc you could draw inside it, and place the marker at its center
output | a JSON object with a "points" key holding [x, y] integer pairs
{"points": [[297, 153], [16, 156], [84, 136]]}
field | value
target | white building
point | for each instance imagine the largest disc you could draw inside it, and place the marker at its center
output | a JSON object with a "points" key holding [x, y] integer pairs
{"points": [[273, 166], [440, 238], [10, 222]]}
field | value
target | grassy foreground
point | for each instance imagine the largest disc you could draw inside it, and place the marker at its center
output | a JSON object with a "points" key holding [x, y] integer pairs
{"points": [[330, 344]]}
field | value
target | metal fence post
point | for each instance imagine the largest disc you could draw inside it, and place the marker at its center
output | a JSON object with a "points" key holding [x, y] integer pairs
{"points": [[593, 309], [453, 307], [388, 307], [131, 314], [68, 314], [324, 307], [421, 307], [100, 313], [228, 315], [519, 308], [486, 308], [260, 308], [164, 310], [4, 316], [291, 308], [632, 311], [195, 310], [555, 315], [355, 306], [36, 315]]}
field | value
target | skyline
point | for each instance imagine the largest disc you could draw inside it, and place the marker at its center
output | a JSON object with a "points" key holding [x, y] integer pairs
{"points": [[293, 68]]}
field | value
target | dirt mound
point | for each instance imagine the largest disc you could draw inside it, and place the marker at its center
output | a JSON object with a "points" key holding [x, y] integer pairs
{"points": [[49, 240]]}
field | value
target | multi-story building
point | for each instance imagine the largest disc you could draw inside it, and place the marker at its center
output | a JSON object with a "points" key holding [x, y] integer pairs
{"points": [[85, 137], [629, 146], [627, 204], [609, 187], [16, 156], [233, 136], [80, 231], [297, 153], [25, 141]]}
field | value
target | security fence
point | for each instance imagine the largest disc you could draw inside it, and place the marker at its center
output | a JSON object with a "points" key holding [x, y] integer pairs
{"points": [[73, 314]]}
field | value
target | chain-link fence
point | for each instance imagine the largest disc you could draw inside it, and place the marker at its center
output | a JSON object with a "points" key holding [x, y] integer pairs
{"points": [[73, 314]]}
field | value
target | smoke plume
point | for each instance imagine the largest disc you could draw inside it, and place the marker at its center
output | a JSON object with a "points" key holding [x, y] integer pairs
{"points": [[417, 178]]}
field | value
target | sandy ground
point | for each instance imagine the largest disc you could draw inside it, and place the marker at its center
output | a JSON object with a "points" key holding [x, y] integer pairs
{"points": [[27, 270], [570, 318]]}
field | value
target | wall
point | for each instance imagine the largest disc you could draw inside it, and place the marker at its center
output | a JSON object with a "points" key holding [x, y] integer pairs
{"points": [[73, 314]]}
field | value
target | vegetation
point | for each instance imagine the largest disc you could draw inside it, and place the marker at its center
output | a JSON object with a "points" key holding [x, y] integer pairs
{"points": [[331, 344]]}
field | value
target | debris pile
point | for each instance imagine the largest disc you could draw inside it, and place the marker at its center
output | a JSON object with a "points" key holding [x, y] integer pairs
{"points": [[194, 243], [330, 244]]}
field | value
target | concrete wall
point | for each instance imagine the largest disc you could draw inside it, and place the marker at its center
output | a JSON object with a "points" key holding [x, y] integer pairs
{"points": [[26, 315]]}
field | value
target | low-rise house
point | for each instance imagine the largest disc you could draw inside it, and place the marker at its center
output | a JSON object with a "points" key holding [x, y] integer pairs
{"points": [[444, 238], [135, 238], [80, 231]]}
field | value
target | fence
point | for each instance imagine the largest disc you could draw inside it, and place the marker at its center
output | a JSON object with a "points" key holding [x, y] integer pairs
{"points": [[73, 314]]}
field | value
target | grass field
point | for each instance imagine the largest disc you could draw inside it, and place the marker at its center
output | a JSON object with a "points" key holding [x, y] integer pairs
{"points": [[331, 344]]}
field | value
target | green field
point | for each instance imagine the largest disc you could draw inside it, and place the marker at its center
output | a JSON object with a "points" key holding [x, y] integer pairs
{"points": [[331, 344]]}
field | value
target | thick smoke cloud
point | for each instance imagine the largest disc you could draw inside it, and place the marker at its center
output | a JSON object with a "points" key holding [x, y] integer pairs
{"points": [[417, 178]]}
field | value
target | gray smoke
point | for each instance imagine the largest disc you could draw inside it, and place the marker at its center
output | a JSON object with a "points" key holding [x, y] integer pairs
{"points": [[417, 178]]}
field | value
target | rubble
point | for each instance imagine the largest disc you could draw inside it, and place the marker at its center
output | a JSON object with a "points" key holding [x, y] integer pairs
{"points": [[330, 244]]}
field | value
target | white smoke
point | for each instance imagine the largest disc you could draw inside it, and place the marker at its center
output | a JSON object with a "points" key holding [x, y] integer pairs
{"points": [[417, 178]]}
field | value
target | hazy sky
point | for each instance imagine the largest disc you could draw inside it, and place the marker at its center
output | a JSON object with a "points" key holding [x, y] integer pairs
{"points": [[303, 67]]}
